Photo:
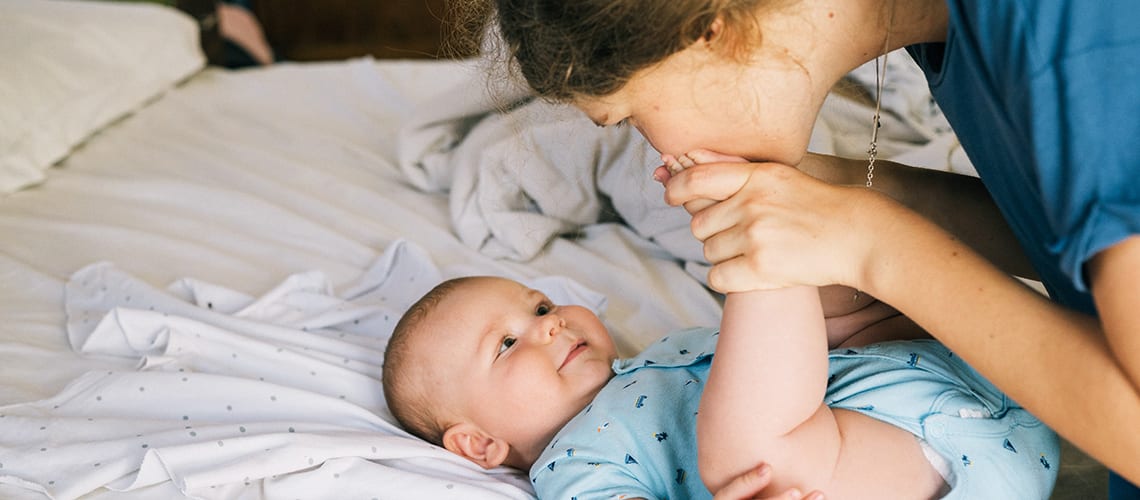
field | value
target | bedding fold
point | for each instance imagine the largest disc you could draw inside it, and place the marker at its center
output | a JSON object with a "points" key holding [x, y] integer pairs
{"points": [[521, 171]]}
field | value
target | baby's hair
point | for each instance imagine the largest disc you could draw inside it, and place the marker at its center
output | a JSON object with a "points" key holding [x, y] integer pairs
{"points": [[403, 377], [591, 48]]}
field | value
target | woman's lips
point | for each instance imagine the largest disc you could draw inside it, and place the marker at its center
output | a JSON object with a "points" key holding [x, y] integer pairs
{"points": [[579, 348]]}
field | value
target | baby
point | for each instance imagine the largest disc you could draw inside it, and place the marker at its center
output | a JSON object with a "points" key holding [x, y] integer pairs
{"points": [[494, 372]]}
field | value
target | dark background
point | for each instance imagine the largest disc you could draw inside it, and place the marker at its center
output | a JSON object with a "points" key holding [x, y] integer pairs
{"points": [[309, 30]]}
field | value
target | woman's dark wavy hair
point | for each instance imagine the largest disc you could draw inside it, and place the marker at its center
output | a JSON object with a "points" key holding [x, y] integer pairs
{"points": [[566, 49]]}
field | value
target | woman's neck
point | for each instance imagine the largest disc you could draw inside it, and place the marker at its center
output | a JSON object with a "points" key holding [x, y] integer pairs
{"points": [[918, 21], [841, 35]]}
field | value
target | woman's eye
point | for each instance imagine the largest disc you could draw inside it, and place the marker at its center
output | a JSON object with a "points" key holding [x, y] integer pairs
{"points": [[622, 123], [506, 344], [542, 310]]}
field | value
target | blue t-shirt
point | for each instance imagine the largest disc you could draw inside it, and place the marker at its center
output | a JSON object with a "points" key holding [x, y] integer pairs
{"points": [[1045, 98]]}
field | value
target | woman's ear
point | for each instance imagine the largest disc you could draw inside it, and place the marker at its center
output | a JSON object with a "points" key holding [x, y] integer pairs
{"points": [[715, 31], [473, 443]]}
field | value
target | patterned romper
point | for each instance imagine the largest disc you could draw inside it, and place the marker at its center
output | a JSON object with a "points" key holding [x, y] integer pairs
{"points": [[638, 437]]}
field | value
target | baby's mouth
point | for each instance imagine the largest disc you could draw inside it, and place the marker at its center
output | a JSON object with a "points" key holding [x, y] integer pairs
{"points": [[578, 348]]}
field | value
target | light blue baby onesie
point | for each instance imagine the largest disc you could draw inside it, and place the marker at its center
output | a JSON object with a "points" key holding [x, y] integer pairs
{"points": [[638, 438]]}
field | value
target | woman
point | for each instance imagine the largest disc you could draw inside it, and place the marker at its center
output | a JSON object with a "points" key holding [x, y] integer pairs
{"points": [[1043, 96]]}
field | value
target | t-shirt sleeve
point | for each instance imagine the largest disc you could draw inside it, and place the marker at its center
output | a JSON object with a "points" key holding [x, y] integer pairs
{"points": [[1045, 100], [587, 478], [1093, 199]]}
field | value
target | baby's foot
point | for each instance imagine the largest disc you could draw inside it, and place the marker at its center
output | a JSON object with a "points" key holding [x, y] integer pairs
{"points": [[673, 165], [670, 162], [701, 156], [696, 157], [669, 167]]}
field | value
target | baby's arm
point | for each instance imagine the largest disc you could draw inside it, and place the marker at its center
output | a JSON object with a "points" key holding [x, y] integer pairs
{"points": [[763, 400]]}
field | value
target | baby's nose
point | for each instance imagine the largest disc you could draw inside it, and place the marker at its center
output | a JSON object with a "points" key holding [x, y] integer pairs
{"points": [[553, 324]]}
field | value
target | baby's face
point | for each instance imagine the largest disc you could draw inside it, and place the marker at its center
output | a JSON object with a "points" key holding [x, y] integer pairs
{"points": [[515, 364]]}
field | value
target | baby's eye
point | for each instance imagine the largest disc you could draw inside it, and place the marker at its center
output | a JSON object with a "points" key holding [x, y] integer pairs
{"points": [[505, 344], [543, 309]]}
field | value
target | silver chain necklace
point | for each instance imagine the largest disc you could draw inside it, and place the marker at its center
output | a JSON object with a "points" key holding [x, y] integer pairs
{"points": [[873, 150]]}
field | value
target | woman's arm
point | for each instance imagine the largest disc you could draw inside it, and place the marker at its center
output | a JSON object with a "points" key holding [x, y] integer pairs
{"points": [[1115, 277], [1057, 363], [958, 203], [778, 227]]}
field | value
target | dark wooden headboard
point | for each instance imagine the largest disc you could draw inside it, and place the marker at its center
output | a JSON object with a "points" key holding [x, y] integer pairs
{"points": [[303, 30]]}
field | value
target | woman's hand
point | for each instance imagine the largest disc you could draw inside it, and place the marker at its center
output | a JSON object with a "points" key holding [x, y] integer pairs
{"points": [[751, 483], [774, 226]]}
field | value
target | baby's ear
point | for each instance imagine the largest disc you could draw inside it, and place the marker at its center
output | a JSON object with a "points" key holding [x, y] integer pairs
{"points": [[473, 443]]}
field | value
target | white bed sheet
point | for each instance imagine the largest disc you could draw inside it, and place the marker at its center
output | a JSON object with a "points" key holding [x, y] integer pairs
{"points": [[239, 181]]}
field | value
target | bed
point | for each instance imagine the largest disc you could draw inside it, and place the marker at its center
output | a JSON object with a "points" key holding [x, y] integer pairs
{"points": [[200, 267]]}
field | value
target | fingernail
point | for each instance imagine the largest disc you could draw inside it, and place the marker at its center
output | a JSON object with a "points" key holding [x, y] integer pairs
{"points": [[795, 494]]}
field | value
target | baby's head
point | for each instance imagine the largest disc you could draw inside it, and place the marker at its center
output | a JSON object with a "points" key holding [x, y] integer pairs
{"points": [[491, 369]]}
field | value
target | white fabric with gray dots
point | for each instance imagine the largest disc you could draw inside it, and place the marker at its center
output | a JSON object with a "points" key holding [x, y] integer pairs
{"points": [[278, 392]]}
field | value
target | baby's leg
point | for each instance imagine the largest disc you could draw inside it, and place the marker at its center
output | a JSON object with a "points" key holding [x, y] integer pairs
{"points": [[852, 318]]}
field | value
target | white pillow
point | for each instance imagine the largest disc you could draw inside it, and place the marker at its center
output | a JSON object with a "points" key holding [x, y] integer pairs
{"points": [[69, 68]]}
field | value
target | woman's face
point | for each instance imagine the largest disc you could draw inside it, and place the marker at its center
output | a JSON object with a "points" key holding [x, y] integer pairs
{"points": [[698, 98]]}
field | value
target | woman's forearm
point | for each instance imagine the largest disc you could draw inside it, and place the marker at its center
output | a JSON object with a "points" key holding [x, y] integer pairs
{"points": [[958, 203], [1053, 361]]}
